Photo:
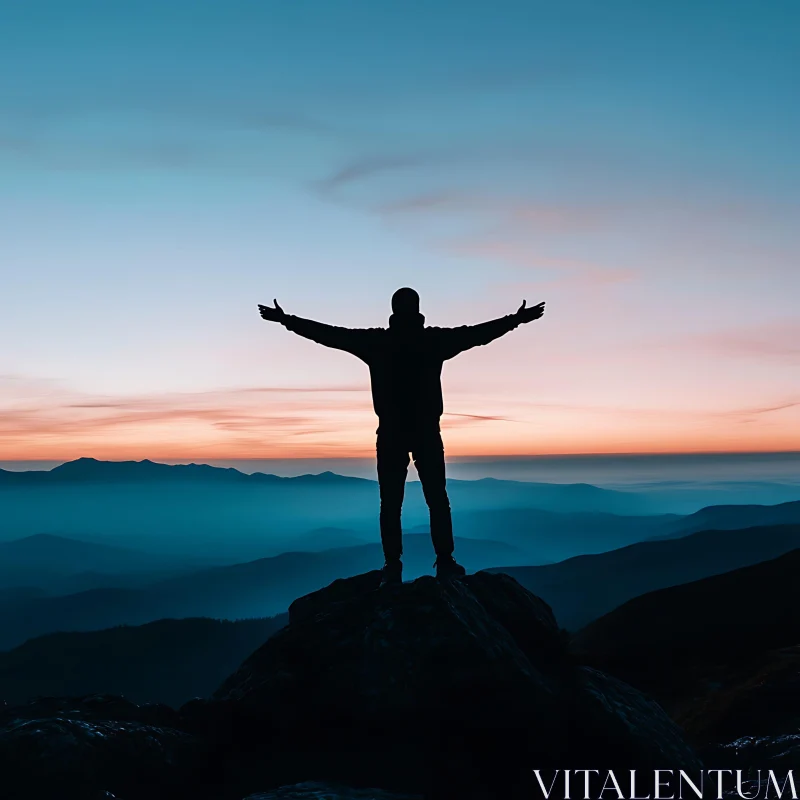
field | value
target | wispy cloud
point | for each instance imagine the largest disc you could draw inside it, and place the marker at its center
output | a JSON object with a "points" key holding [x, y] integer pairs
{"points": [[215, 395], [38, 413], [513, 225], [773, 340], [467, 154], [555, 270], [516, 213], [45, 419], [302, 389], [454, 420], [372, 166], [750, 415], [734, 414], [165, 129]]}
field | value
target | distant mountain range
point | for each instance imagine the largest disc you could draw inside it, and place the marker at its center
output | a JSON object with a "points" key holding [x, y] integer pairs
{"points": [[252, 589], [730, 517], [584, 588], [230, 515], [91, 470], [103, 585], [554, 536], [60, 554], [325, 538], [169, 661], [58, 564]]}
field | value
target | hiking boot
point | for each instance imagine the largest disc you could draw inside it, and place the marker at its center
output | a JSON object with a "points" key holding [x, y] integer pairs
{"points": [[447, 567], [392, 572]]}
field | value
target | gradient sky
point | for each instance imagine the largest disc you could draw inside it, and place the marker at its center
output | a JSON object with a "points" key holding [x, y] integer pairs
{"points": [[165, 166]]}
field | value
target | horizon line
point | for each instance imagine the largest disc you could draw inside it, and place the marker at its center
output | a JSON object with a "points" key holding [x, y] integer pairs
{"points": [[493, 457]]}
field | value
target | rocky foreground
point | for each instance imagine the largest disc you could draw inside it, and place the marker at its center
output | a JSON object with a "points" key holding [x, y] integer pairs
{"points": [[426, 689]]}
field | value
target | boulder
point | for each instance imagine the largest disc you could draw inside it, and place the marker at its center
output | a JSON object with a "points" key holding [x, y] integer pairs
{"points": [[457, 688], [755, 695], [780, 753], [87, 748]]}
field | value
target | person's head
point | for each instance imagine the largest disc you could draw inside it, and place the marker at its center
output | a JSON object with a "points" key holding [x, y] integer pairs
{"points": [[405, 302]]}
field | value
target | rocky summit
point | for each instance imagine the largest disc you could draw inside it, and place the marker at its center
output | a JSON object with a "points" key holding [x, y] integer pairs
{"points": [[428, 689], [454, 688]]}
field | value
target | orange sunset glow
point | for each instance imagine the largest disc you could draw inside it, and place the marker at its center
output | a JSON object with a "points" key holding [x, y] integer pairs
{"points": [[264, 423]]}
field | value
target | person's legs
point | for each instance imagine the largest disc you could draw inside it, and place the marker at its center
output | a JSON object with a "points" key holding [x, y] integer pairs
{"points": [[392, 451], [428, 452]]}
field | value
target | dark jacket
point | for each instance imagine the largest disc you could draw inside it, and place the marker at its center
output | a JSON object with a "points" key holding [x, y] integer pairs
{"points": [[405, 360]]}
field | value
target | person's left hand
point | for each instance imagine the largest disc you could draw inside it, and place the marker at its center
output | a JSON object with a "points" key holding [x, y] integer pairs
{"points": [[526, 314]]}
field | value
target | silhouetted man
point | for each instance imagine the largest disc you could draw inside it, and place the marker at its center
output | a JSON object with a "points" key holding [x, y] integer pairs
{"points": [[405, 364]]}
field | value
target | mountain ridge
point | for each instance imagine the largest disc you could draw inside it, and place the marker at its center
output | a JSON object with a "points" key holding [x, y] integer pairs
{"points": [[86, 468], [579, 588], [257, 588], [165, 661], [732, 517], [715, 630]]}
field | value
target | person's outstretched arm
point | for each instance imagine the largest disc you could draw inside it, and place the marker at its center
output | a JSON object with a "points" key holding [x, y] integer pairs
{"points": [[348, 339], [456, 340]]}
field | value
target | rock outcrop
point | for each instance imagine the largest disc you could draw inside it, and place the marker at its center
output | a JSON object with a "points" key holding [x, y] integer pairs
{"points": [[91, 748], [458, 689], [426, 689]]}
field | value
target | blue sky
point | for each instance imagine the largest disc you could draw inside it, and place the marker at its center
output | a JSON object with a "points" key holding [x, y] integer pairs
{"points": [[166, 166]]}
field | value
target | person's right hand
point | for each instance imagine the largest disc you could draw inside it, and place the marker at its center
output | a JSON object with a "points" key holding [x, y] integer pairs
{"points": [[526, 314], [272, 314]]}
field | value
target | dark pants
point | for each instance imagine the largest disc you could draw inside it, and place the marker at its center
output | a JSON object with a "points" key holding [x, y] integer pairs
{"points": [[427, 450]]}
